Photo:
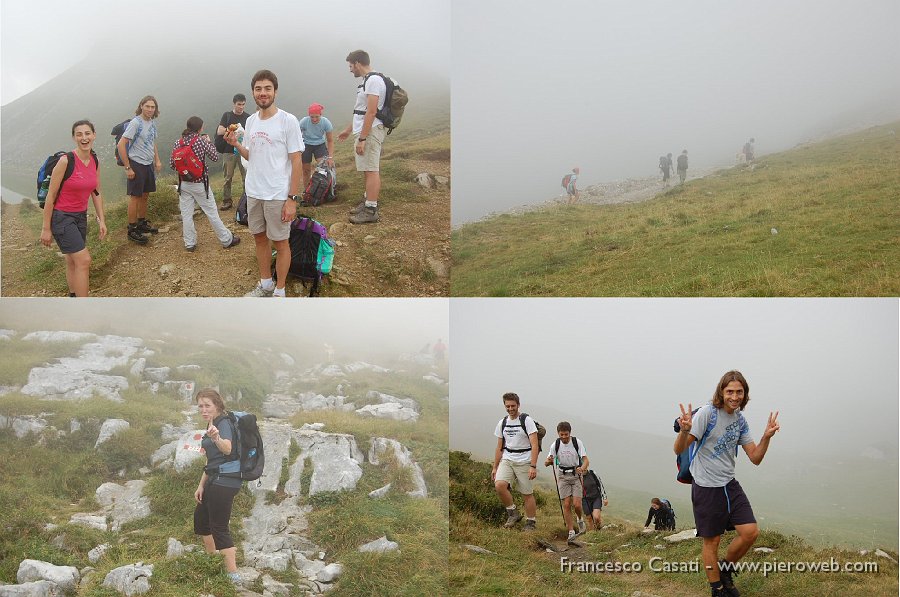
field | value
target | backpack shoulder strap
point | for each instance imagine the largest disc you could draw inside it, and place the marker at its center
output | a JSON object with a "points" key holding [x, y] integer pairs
{"points": [[575, 445], [70, 165], [556, 448]]}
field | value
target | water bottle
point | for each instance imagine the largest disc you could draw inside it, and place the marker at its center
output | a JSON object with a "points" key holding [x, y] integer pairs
{"points": [[43, 191]]}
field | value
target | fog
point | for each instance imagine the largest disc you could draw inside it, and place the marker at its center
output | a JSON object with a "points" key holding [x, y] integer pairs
{"points": [[829, 366], [540, 88], [375, 328]]}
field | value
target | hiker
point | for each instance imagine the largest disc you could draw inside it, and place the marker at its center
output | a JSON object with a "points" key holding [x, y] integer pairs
{"points": [[369, 133], [718, 501], [571, 461], [438, 350], [140, 157], [661, 514], [232, 158], [272, 147], [318, 140], [666, 165], [215, 494], [570, 183], [682, 166], [594, 498], [515, 461], [748, 150], [195, 191], [65, 210]]}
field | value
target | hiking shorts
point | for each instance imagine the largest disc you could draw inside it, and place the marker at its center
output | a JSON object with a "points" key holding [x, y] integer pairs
{"points": [[70, 230], [265, 216], [371, 158], [516, 472], [720, 509], [588, 505], [314, 151], [569, 485], [211, 516], [144, 180]]}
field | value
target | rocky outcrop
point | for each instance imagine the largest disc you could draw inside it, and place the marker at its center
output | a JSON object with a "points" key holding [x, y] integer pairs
{"points": [[7, 334], [383, 447], [188, 449], [388, 411], [24, 424], [130, 580], [123, 503], [65, 577], [110, 428], [283, 406], [46, 337], [39, 588]]}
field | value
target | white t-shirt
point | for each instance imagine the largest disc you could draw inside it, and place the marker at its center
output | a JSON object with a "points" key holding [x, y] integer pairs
{"points": [[516, 438], [374, 86], [568, 457], [269, 142]]}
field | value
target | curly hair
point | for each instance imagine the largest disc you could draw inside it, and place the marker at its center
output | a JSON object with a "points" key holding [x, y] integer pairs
{"points": [[718, 399]]}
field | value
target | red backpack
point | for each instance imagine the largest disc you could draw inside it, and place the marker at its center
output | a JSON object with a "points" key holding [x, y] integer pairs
{"points": [[187, 164]]}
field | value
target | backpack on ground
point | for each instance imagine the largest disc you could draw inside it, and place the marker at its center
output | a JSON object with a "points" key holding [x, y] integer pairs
{"points": [[395, 100], [118, 131], [566, 180], [46, 170], [247, 458], [312, 252], [240, 214], [188, 165], [683, 461], [321, 185], [567, 469], [541, 432]]}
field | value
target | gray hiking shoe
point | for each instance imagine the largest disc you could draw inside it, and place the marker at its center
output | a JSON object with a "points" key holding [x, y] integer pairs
{"points": [[512, 519], [259, 292], [530, 525], [582, 527], [358, 207], [571, 540], [368, 215]]}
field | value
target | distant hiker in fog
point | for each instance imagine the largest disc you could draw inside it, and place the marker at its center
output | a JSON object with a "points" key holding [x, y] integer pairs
{"points": [[748, 150], [215, 494], [232, 159], [661, 515], [73, 180], [569, 457], [665, 165], [682, 166], [318, 139], [140, 157], [439, 350], [718, 500], [570, 184], [515, 461]]}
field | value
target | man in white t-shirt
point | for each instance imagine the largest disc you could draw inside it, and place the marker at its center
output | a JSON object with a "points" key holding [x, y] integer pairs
{"points": [[571, 461], [369, 133], [272, 146], [515, 461]]}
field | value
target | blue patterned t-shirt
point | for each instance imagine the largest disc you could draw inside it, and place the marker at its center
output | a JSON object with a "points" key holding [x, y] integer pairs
{"points": [[713, 465]]}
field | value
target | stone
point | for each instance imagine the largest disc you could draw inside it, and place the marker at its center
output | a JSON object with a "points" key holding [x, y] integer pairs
{"points": [[110, 428], [313, 426], [388, 411], [425, 180], [38, 588], [380, 545], [7, 334], [369, 239], [98, 552], [166, 269], [883, 554], [164, 456], [274, 587], [158, 374], [433, 379], [124, 503], [287, 359], [23, 425], [58, 337], [174, 548], [380, 492], [66, 577], [92, 521], [188, 449], [137, 369], [478, 549], [133, 579], [330, 573], [443, 181], [682, 536], [382, 446], [438, 267], [763, 549], [74, 425], [308, 568]]}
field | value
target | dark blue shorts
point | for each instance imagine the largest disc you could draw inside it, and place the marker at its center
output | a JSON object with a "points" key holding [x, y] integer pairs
{"points": [[720, 509], [70, 230], [144, 180], [317, 151], [588, 505]]}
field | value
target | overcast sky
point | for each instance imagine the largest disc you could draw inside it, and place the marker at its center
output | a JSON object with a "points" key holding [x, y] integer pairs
{"points": [[37, 48], [538, 88], [822, 363]]}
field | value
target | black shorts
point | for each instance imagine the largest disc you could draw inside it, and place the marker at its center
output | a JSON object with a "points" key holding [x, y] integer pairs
{"points": [[144, 180], [70, 230], [212, 515], [588, 505], [720, 509], [317, 151]]}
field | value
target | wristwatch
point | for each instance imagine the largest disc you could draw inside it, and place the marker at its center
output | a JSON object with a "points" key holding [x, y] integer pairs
{"points": [[295, 197], [362, 139]]}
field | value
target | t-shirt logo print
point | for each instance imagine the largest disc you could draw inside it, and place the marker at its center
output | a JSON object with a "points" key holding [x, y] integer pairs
{"points": [[729, 440]]}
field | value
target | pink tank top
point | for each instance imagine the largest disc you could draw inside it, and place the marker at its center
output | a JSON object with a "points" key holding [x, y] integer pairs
{"points": [[76, 190]]}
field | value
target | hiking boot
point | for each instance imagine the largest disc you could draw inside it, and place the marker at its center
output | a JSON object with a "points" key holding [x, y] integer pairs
{"points": [[235, 240], [134, 234], [358, 207], [513, 518], [144, 226], [226, 205], [530, 525], [367, 215], [582, 528], [726, 575], [260, 292], [191, 248], [571, 540]]}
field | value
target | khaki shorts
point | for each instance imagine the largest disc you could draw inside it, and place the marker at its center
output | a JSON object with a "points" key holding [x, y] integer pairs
{"points": [[371, 158], [569, 485], [265, 216], [516, 472]]}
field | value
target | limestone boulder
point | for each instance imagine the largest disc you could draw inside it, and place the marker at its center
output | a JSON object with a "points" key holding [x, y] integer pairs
{"points": [[133, 579], [66, 577], [382, 447], [123, 503], [110, 428], [188, 449], [380, 545]]}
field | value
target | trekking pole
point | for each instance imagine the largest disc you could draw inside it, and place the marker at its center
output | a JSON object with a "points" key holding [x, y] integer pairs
{"points": [[559, 497]]}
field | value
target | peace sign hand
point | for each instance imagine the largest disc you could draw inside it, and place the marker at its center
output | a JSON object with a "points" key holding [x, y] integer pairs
{"points": [[685, 420], [772, 427]]}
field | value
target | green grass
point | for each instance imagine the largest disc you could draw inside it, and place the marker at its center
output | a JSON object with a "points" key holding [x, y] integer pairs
{"points": [[835, 206]]}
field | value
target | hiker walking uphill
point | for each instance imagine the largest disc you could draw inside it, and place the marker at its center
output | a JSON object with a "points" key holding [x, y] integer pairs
{"points": [[570, 461], [73, 179], [718, 500], [570, 184], [661, 515], [594, 499], [515, 461], [272, 147], [231, 158], [189, 161], [665, 165], [682, 166], [748, 150], [139, 155]]}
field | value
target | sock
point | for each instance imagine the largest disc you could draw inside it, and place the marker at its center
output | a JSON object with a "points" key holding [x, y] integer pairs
{"points": [[267, 284], [278, 292], [531, 518], [371, 203], [571, 534], [511, 509]]}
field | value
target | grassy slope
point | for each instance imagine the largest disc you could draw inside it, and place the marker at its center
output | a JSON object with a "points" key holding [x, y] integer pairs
{"points": [[835, 205], [520, 567], [55, 487]]}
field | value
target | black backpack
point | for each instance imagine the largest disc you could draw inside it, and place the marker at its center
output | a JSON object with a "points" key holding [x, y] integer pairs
{"points": [[312, 252], [541, 432], [567, 469], [46, 170], [240, 214], [247, 458], [321, 185], [395, 100], [118, 131]]}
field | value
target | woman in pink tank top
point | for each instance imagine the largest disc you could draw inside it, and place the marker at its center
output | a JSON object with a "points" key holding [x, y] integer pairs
{"points": [[74, 179]]}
